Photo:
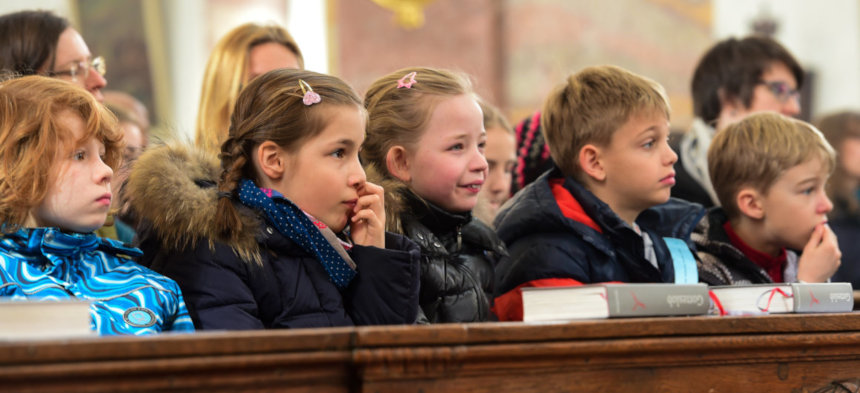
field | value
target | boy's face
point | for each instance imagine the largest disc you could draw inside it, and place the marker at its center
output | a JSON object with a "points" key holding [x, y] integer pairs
{"points": [[795, 204], [79, 198], [638, 164]]}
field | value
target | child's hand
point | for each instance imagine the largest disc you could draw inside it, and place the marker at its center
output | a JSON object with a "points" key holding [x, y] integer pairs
{"points": [[821, 256], [367, 226]]}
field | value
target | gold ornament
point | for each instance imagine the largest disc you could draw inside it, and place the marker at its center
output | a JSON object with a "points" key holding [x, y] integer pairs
{"points": [[409, 14]]}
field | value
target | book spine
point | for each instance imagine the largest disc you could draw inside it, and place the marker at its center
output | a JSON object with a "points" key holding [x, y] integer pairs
{"points": [[639, 301], [823, 297]]}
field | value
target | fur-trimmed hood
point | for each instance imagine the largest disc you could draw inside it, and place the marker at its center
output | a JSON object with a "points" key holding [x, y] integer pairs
{"points": [[172, 190]]}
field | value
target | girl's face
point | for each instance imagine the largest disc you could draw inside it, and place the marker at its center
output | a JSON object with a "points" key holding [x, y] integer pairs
{"points": [[501, 156], [324, 177], [447, 165], [79, 198]]}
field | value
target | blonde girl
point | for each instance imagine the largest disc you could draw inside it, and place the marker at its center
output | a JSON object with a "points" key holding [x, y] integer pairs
{"points": [[425, 140]]}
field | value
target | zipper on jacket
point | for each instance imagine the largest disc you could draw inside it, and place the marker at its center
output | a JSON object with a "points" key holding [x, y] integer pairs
{"points": [[459, 238]]}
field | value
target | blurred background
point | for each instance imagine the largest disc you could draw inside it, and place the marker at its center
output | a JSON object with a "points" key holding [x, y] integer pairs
{"points": [[515, 50]]}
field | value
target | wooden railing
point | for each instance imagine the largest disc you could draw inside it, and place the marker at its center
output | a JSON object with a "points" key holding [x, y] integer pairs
{"points": [[783, 353]]}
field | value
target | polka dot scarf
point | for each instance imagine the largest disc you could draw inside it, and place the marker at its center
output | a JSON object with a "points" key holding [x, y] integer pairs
{"points": [[293, 223]]}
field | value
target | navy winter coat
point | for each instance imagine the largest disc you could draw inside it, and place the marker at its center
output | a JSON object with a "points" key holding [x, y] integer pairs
{"points": [[263, 279], [544, 244]]}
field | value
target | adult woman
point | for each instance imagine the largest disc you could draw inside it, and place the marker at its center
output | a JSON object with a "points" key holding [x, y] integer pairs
{"points": [[241, 55], [39, 42]]}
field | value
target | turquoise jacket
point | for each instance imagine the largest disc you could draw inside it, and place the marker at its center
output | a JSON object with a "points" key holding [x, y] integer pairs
{"points": [[46, 263]]}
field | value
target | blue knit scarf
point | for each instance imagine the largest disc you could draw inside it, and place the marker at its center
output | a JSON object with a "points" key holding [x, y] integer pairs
{"points": [[293, 223]]}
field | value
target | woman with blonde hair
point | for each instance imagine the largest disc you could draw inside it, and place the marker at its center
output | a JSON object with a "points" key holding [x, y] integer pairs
{"points": [[239, 56]]}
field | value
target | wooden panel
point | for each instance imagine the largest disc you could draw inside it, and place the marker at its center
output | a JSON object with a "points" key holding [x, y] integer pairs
{"points": [[771, 353]]}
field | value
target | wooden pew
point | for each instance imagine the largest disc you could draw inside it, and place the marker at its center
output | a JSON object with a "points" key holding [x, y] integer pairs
{"points": [[785, 353]]}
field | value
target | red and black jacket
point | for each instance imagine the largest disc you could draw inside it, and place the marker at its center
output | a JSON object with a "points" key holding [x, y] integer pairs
{"points": [[558, 233]]}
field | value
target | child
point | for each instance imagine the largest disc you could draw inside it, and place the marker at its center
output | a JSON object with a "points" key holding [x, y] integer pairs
{"points": [[425, 138], [135, 140], [59, 148], [594, 217], [769, 172], [734, 78], [292, 236], [501, 158]]}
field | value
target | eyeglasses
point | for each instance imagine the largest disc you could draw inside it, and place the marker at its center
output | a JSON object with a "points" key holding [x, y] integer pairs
{"points": [[781, 91], [82, 69]]}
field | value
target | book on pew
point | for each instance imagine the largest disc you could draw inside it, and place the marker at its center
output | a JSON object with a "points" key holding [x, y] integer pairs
{"points": [[613, 301], [44, 319], [784, 298]]}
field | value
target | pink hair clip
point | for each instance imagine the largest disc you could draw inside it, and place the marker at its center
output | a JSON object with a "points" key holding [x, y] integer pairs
{"points": [[310, 97], [407, 84]]}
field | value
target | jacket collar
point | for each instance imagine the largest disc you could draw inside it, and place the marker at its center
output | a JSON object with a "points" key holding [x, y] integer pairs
{"points": [[436, 219], [171, 189], [53, 246]]}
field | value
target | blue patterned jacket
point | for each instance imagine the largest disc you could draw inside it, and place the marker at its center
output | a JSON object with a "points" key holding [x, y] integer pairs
{"points": [[127, 298]]}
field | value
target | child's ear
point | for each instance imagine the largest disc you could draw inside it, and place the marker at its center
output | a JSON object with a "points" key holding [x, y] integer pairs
{"points": [[751, 203], [397, 162], [589, 161], [271, 159]]}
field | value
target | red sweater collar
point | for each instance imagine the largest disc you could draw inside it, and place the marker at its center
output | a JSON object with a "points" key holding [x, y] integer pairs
{"points": [[774, 266], [569, 206]]}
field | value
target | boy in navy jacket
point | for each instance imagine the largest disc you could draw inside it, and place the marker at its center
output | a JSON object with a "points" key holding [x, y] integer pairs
{"points": [[603, 212]]}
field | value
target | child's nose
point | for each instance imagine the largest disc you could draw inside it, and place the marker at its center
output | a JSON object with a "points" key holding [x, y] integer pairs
{"points": [[478, 162], [357, 177], [104, 173], [671, 156], [826, 205], [496, 180]]}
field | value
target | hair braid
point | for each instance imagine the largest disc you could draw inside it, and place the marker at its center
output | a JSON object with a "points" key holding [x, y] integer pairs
{"points": [[228, 224]]}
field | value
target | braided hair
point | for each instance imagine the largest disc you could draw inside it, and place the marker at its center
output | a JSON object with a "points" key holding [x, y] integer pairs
{"points": [[271, 108]]}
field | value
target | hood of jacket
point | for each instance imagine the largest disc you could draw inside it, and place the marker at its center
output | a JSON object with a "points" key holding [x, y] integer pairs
{"points": [[172, 190]]}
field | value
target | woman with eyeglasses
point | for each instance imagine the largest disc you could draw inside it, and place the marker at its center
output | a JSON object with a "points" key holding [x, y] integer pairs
{"points": [[40, 42], [734, 78]]}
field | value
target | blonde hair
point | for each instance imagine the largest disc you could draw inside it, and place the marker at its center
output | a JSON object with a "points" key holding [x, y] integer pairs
{"points": [[590, 106], [224, 76], [399, 116], [493, 118], [841, 188], [270, 108], [757, 150], [32, 136]]}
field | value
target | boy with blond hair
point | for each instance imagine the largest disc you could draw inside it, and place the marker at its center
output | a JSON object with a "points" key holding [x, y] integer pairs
{"points": [[595, 216], [769, 172]]}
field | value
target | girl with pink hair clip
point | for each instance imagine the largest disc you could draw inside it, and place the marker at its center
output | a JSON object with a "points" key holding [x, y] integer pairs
{"points": [[425, 142]]}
